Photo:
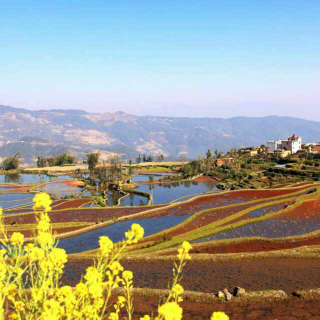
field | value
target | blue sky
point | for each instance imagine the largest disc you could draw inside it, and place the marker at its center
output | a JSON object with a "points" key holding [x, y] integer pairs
{"points": [[171, 58]]}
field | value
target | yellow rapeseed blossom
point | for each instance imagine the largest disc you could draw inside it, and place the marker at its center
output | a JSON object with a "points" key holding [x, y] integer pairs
{"points": [[58, 257], [43, 225], [127, 275], [106, 245], [81, 289], [1, 212], [36, 254], [96, 290], [138, 231], [219, 316], [146, 317], [116, 267], [45, 239], [184, 249], [113, 316], [42, 201], [51, 310], [170, 311], [135, 234], [178, 289], [93, 275], [17, 239]]}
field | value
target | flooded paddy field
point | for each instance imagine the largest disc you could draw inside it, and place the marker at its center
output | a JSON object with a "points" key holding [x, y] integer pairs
{"points": [[219, 205], [116, 231]]}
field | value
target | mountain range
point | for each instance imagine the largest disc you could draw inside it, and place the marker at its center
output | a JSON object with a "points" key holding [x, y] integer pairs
{"points": [[51, 132]]}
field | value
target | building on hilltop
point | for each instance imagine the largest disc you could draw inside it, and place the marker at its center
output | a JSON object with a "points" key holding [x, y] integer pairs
{"points": [[292, 144]]}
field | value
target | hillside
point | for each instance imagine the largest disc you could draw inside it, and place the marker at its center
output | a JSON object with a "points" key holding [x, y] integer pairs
{"points": [[44, 132]]}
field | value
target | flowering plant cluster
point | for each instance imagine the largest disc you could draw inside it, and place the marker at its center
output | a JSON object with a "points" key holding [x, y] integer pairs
{"points": [[30, 275]]}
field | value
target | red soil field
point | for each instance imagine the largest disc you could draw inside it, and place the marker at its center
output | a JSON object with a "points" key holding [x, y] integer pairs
{"points": [[307, 210], [72, 204], [255, 246], [78, 215], [288, 309], [288, 274]]}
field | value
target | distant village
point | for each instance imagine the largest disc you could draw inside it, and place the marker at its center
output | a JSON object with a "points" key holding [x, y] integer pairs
{"points": [[280, 149]]}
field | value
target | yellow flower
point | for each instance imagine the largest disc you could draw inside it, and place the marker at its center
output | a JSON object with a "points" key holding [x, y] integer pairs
{"points": [[93, 275], [51, 310], [58, 256], [106, 245], [43, 225], [219, 316], [81, 289], [127, 275], [170, 311], [45, 239], [113, 316], [37, 294], [96, 290], [17, 239], [121, 301], [178, 289], [135, 234], [116, 267], [3, 252], [1, 212], [19, 306], [138, 231], [42, 201], [146, 317], [36, 254], [66, 291], [10, 290], [28, 247], [186, 246], [183, 251]]}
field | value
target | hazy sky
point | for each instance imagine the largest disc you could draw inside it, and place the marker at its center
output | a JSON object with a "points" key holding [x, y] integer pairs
{"points": [[172, 58]]}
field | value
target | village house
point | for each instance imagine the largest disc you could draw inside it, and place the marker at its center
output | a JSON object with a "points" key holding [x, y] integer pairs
{"points": [[292, 144]]}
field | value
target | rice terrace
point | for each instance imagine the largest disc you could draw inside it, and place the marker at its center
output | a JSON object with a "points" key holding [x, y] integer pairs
{"points": [[160, 160], [261, 237]]}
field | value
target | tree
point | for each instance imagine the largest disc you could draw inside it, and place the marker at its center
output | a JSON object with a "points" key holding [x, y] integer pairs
{"points": [[139, 159], [149, 159], [144, 159], [160, 158], [42, 162], [92, 160], [208, 154], [11, 163]]}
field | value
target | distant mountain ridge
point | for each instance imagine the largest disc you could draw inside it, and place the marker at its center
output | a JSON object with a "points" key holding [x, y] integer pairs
{"points": [[47, 132]]}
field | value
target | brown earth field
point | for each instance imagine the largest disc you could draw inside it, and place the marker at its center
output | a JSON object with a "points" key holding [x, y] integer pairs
{"points": [[253, 246], [267, 273], [78, 215], [288, 274], [288, 309]]}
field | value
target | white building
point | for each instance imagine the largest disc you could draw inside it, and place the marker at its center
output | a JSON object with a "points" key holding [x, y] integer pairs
{"points": [[293, 144], [274, 145]]}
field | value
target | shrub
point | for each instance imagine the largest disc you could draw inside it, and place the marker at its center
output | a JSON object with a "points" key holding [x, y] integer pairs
{"points": [[30, 276], [11, 163]]}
